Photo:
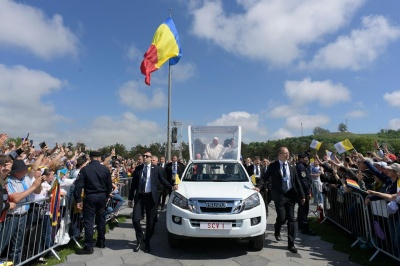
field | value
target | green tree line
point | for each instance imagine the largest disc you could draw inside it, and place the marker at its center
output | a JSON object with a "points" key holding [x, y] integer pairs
{"points": [[361, 142]]}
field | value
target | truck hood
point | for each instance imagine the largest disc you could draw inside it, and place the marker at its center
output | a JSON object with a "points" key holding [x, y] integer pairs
{"points": [[216, 190]]}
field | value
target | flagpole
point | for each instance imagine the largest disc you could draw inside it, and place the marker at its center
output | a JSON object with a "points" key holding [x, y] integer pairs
{"points": [[169, 116], [169, 108]]}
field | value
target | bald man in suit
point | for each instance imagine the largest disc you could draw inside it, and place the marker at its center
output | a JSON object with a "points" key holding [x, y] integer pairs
{"points": [[286, 191]]}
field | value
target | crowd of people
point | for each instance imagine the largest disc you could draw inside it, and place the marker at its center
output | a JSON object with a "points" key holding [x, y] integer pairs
{"points": [[303, 179]]}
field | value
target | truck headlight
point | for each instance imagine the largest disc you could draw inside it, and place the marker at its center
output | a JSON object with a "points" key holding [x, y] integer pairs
{"points": [[252, 201], [180, 201]]}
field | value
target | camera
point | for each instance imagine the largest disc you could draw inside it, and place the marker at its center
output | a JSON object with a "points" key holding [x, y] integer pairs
{"points": [[42, 145]]}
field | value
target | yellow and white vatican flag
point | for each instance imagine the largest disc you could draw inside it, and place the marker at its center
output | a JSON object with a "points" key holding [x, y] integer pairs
{"points": [[177, 179], [253, 179], [343, 146], [315, 144], [329, 155]]}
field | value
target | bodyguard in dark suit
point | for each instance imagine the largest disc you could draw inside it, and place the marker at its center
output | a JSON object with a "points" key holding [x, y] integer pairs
{"points": [[95, 180], [173, 168], [144, 192], [257, 170], [286, 191]]}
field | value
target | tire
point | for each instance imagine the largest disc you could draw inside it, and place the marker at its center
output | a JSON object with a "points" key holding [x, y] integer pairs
{"points": [[257, 243], [173, 240]]}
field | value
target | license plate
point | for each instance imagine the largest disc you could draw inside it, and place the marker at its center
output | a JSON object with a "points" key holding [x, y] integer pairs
{"points": [[215, 226]]}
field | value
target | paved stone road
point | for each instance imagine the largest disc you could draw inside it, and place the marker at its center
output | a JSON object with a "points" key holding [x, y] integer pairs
{"points": [[121, 240]]}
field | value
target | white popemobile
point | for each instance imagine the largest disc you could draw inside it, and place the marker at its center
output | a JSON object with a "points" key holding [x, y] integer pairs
{"points": [[215, 198]]}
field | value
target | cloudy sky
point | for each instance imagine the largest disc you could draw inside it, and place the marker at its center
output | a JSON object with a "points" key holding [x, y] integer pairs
{"points": [[69, 70]]}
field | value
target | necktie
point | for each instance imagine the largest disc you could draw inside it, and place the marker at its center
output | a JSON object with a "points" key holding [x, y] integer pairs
{"points": [[257, 171], [174, 169], [285, 178], [284, 169], [143, 180]]}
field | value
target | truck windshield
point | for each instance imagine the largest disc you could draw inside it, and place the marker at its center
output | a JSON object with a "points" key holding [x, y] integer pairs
{"points": [[215, 172]]}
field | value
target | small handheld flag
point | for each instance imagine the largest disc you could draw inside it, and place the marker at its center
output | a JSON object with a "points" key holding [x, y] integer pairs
{"points": [[177, 179], [353, 184], [315, 144], [253, 180], [343, 146]]}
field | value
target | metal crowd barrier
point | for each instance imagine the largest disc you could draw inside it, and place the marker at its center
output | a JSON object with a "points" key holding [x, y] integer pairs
{"points": [[385, 233], [32, 234], [369, 224], [28, 236]]}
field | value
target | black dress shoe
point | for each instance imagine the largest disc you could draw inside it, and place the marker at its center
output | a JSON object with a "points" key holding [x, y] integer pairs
{"points": [[292, 249], [308, 232], [100, 244], [278, 237], [84, 251], [147, 249], [137, 248]]}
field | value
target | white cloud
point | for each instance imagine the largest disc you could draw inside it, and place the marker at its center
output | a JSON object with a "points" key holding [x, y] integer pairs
{"points": [[134, 53], [283, 111], [356, 114], [250, 123], [393, 98], [273, 31], [360, 48], [307, 91], [281, 133], [137, 96], [21, 106], [183, 71], [394, 124], [127, 129], [299, 122], [28, 28]]}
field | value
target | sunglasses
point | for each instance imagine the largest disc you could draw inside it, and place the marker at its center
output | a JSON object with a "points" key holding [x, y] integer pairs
{"points": [[146, 156]]}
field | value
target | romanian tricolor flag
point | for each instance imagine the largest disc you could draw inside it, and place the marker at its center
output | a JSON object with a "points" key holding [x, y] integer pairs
{"points": [[353, 184], [55, 201], [165, 46]]}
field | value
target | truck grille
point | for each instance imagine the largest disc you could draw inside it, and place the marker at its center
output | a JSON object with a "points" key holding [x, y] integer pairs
{"points": [[216, 206]]}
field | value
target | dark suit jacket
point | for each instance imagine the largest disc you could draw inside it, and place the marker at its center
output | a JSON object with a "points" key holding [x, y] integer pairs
{"points": [[274, 177], [250, 170], [156, 175], [168, 169], [262, 170]]}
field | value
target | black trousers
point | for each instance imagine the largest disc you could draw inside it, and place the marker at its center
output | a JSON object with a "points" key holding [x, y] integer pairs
{"points": [[302, 215], [264, 195], [145, 200], [93, 206], [285, 212]]}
